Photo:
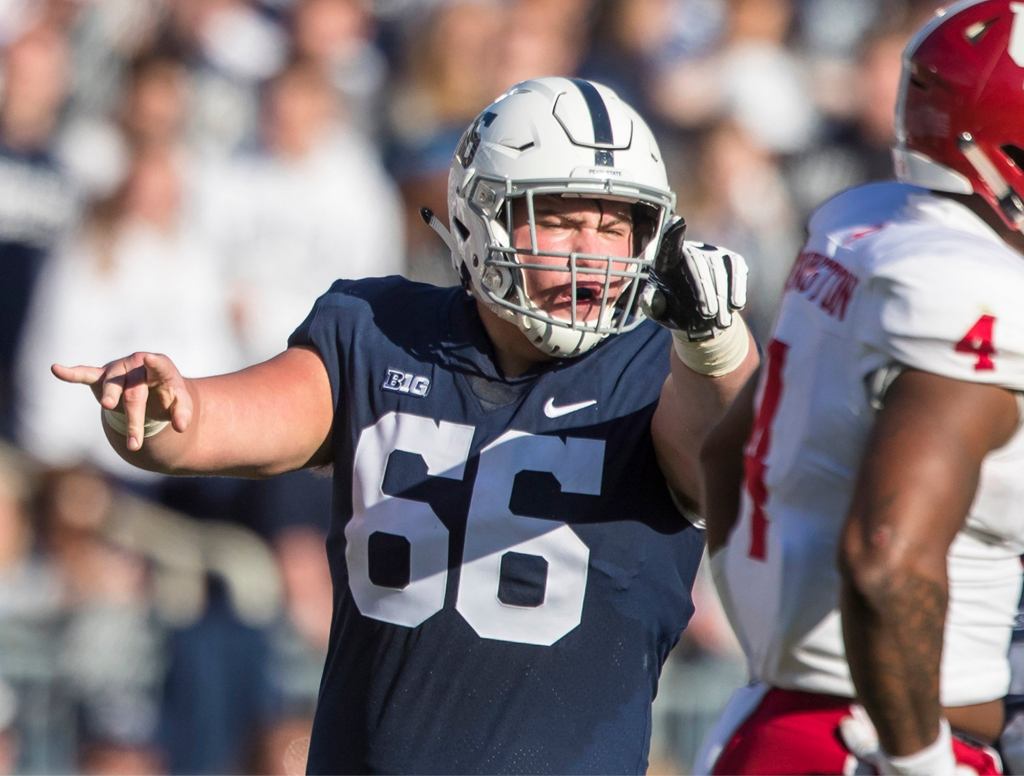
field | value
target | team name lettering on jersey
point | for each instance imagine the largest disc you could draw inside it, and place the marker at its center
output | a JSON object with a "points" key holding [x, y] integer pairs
{"points": [[823, 280]]}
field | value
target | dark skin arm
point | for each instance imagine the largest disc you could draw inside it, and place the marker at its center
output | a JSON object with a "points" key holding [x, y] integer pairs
{"points": [[918, 478], [722, 466]]}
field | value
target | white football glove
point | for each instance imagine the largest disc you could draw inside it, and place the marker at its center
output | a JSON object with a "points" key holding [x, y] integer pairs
{"points": [[694, 288]]}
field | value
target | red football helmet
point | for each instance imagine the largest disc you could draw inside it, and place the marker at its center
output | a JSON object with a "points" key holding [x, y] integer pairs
{"points": [[960, 111]]}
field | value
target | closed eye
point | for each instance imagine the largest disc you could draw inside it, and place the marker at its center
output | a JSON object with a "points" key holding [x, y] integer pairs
{"points": [[616, 230]]}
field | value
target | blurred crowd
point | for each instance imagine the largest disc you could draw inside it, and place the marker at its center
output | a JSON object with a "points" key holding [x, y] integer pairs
{"points": [[187, 176]]}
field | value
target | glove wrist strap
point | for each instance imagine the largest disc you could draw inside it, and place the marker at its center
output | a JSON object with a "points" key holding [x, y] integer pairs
{"points": [[936, 758], [717, 356]]}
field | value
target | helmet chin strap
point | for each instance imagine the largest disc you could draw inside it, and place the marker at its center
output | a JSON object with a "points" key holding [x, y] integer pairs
{"points": [[1009, 201], [434, 223], [560, 341]]}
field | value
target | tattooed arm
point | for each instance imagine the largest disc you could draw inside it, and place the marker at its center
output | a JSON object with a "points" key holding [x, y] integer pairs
{"points": [[917, 480]]}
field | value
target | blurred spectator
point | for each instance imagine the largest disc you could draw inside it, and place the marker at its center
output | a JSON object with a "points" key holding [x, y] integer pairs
{"points": [[311, 205], [736, 195], [448, 68], [539, 38], [298, 644], [216, 695], [134, 272], [151, 112], [751, 77], [764, 83], [30, 620], [636, 40], [833, 29], [19, 16], [36, 204], [301, 641], [105, 37], [337, 36], [231, 48], [28, 585], [115, 674], [218, 691], [856, 148], [109, 653]]}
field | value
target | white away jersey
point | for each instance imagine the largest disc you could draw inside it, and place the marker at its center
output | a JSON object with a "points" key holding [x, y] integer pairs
{"points": [[890, 274]]}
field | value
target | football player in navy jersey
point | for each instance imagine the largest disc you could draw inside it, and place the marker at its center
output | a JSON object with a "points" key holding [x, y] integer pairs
{"points": [[515, 461]]}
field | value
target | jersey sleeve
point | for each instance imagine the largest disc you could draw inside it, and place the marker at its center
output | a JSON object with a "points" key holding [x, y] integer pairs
{"points": [[957, 314], [327, 329]]}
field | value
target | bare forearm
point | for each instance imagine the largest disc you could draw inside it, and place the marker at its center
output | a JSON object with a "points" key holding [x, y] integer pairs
{"points": [[723, 468], [917, 480], [723, 480], [709, 397], [893, 631], [266, 419], [690, 406], [238, 428]]}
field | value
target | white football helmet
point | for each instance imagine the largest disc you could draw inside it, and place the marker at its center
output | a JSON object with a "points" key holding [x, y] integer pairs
{"points": [[568, 137]]}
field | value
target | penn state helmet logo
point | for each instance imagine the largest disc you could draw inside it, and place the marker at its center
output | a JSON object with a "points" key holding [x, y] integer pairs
{"points": [[471, 140]]}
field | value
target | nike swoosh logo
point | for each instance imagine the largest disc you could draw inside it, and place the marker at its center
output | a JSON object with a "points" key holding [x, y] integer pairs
{"points": [[556, 412]]}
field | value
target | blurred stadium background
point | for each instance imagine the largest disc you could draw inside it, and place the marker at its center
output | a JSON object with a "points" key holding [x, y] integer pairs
{"points": [[188, 175]]}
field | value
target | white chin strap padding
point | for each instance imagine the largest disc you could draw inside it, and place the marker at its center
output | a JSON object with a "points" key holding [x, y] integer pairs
{"points": [[558, 341]]}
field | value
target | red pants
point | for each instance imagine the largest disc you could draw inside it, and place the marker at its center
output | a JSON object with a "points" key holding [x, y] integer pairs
{"points": [[793, 732]]}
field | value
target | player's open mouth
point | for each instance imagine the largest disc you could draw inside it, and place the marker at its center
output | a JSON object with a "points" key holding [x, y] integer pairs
{"points": [[589, 298], [589, 294]]}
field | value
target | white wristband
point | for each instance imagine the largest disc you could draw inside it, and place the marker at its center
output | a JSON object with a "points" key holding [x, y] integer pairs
{"points": [[716, 356], [118, 422], [936, 759]]}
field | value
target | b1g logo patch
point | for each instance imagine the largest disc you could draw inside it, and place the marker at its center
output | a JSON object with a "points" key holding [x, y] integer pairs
{"points": [[405, 382]]}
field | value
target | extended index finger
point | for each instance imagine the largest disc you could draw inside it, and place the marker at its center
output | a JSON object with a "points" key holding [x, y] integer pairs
{"points": [[86, 375]]}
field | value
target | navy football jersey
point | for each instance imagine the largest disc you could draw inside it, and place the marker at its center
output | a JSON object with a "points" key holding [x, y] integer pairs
{"points": [[509, 569]]}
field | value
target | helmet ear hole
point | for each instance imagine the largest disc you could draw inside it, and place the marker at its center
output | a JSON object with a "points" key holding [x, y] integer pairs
{"points": [[460, 229], [1015, 154]]}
